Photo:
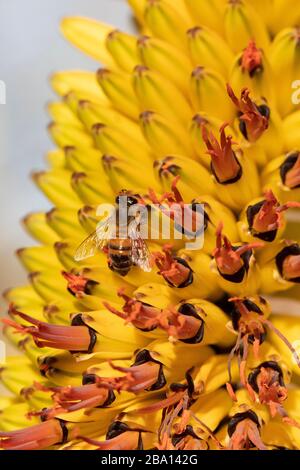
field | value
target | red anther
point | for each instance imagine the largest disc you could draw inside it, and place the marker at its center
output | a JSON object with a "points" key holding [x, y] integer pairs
{"points": [[252, 326], [270, 390], [179, 326], [171, 415], [188, 441], [224, 162], [252, 58], [167, 197], [70, 338], [172, 197], [173, 205], [70, 399], [246, 435], [292, 177], [137, 377], [269, 217], [249, 323], [36, 437], [174, 272], [228, 260], [133, 311], [256, 124], [77, 284]]}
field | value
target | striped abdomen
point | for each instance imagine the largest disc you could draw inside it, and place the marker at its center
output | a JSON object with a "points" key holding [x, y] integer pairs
{"points": [[119, 254]]}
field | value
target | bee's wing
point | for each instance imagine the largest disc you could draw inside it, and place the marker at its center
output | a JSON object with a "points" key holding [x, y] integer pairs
{"points": [[94, 242], [140, 254]]}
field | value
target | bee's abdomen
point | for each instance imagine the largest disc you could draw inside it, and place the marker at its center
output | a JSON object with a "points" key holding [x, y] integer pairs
{"points": [[119, 251]]}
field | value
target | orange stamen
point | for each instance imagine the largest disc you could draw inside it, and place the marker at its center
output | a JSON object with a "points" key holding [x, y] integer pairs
{"points": [[78, 284], [252, 58], [174, 272], [255, 123], [245, 436], [71, 338], [223, 159], [142, 316], [228, 260], [179, 326], [269, 217], [137, 377], [36, 437]]}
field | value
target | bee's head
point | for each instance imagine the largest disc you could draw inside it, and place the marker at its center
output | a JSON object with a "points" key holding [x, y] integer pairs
{"points": [[131, 199]]}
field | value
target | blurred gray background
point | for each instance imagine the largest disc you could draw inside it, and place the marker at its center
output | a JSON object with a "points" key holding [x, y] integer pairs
{"points": [[31, 48]]}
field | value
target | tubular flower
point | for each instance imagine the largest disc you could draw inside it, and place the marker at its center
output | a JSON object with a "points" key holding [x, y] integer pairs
{"points": [[141, 315], [46, 434], [175, 271], [141, 342], [250, 316], [253, 119], [267, 381], [76, 338], [121, 436], [243, 430], [225, 165], [251, 60], [264, 219], [70, 399]]}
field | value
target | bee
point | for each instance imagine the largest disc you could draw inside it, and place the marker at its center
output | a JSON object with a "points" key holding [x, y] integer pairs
{"points": [[123, 251]]}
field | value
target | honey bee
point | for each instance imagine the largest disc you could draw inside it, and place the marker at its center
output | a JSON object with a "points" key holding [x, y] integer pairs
{"points": [[123, 251]]}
